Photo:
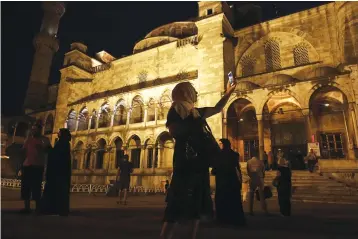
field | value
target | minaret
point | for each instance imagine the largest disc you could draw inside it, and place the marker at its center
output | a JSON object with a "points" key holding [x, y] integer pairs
{"points": [[46, 45]]}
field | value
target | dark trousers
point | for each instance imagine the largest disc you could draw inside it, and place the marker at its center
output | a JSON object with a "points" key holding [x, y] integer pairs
{"points": [[284, 200], [311, 165], [31, 181]]}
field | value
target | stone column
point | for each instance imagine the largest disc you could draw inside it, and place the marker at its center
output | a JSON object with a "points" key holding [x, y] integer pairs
{"points": [[145, 115], [354, 120], [306, 115], [224, 131], [112, 119], [141, 159], [350, 131], [153, 158], [260, 124], [128, 117], [156, 113]]}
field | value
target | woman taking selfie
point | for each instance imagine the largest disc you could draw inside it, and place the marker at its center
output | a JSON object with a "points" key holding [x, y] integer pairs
{"points": [[190, 197]]}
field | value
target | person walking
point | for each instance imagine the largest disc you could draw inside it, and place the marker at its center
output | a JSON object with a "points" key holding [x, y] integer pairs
{"points": [[194, 146], [256, 172], [124, 177], [284, 187], [311, 160], [228, 180], [36, 148], [56, 196]]}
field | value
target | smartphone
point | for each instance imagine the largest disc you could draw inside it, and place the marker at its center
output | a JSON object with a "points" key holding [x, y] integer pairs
{"points": [[231, 78]]}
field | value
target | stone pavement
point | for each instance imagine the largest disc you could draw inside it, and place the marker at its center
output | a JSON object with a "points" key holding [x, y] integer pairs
{"points": [[100, 217]]}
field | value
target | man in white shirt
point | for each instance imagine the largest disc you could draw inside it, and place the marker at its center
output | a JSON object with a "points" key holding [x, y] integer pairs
{"points": [[256, 172]]}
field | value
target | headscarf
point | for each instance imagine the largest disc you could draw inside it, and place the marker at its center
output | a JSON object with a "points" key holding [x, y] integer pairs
{"points": [[226, 144], [184, 96], [65, 135]]}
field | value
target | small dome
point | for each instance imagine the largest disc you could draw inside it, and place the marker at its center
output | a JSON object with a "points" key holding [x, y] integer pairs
{"points": [[246, 86], [322, 72], [166, 34], [281, 80], [175, 29]]}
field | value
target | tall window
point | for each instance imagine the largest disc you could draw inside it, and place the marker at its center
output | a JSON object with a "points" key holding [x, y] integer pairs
{"points": [[165, 104], [93, 119], [137, 113], [248, 65], [272, 55], [100, 153], [120, 114], [71, 121], [83, 119], [300, 54], [151, 111], [104, 119]]}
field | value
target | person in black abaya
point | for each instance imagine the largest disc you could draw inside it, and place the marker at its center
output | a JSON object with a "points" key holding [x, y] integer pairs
{"points": [[284, 187], [228, 178], [56, 196]]}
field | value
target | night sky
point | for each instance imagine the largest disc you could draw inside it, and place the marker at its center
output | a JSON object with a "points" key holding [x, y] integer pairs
{"points": [[111, 26]]}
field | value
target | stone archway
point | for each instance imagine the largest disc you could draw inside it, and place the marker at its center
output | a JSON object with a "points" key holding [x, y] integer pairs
{"points": [[164, 150], [134, 150], [242, 128], [119, 150], [332, 123], [100, 153]]}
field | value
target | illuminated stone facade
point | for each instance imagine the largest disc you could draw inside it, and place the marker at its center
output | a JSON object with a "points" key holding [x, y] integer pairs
{"points": [[297, 82]]}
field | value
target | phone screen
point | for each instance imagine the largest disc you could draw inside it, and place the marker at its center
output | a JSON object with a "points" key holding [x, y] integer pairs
{"points": [[231, 78]]}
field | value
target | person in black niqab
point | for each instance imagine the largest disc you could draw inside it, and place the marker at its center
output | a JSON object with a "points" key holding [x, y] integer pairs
{"points": [[56, 196], [228, 178]]}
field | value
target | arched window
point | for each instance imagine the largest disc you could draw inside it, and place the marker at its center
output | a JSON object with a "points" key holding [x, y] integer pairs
{"points": [[120, 114], [300, 54], [272, 55], [151, 111], [49, 124], [165, 103], [77, 154], [93, 119], [71, 121], [119, 150], [88, 160], [104, 119], [248, 65], [83, 119], [137, 113], [100, 153]]}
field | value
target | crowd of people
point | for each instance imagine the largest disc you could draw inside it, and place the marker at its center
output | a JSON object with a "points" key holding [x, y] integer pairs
{"points": [[188, 194]]}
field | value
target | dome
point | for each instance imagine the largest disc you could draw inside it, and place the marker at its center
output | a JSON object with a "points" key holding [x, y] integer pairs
{"points": [[246, 86], [165, 34], [322, 72], [175, 29], [281, 80]]}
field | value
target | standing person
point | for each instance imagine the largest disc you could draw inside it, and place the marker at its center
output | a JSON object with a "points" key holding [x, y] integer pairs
{"points": [[270, 160], [284, 187], [256, 172], [311, 160], [124, 176], [56, 196], [36, 148], [190, 184], [228, 179], [266, 161]]}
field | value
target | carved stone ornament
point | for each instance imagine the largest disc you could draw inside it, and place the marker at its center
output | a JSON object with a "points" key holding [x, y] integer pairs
{"points": [[142, 76]]}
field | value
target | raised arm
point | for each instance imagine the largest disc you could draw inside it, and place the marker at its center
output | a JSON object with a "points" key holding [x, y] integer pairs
{"points": [[210, 111]]}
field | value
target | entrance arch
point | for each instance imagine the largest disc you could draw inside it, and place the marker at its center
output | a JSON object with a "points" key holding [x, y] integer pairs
{"points": [[101, 153], [242, 128], [332, 123]]}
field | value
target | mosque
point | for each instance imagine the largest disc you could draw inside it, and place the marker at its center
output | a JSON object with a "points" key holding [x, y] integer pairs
{"points": [[297, 88]]}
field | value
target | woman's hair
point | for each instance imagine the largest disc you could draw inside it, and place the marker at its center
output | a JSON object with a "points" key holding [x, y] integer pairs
{"points": [[65, 134], [226, 143]]}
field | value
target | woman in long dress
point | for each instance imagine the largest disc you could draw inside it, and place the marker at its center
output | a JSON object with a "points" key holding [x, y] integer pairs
{"points": [[189, 197], [56, 196], [284, 187], [228, 179]]}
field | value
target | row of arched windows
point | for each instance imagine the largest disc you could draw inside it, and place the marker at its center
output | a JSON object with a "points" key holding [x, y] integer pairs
{"points": [[120, 114], [273, 57]]}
